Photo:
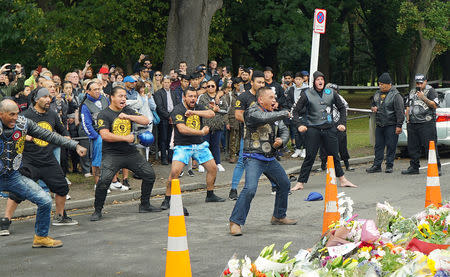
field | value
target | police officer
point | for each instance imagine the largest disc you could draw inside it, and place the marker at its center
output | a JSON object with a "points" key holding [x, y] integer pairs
{"points": [[421, 122], [313, 114], [389, 112]]}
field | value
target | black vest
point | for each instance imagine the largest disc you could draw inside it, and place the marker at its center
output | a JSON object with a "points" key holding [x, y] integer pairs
{"points": [[11, 147], [260, 139], [385, 116], [419, 112], [320, 110], [95, 110]]}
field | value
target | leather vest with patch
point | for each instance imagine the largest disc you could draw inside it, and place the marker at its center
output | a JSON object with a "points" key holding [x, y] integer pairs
{"points": [[260, 139], [419, 112], [11, 147], [385, 115], [320, 109]]}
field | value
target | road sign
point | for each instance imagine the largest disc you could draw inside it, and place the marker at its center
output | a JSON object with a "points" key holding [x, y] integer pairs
{"points": [[320, 20]]}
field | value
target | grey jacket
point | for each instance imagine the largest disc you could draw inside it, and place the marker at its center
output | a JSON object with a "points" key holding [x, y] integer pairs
{"points": [[261, 129]]}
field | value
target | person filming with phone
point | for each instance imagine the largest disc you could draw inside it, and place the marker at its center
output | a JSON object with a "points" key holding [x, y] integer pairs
{"points": [[11, 80], [421, 122]]}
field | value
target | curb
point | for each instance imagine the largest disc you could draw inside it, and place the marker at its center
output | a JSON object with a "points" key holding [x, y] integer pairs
{"points": [[126, 196]]}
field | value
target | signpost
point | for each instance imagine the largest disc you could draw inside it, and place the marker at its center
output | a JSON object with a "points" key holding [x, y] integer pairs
{"points": [[320, 19]]}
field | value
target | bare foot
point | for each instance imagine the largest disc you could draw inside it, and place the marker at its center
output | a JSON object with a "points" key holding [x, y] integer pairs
{"points": [[349, 184], [298, 186]]}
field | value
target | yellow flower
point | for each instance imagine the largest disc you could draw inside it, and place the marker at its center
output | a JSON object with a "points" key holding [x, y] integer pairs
{"points": [[425, 227], [431, 264]]}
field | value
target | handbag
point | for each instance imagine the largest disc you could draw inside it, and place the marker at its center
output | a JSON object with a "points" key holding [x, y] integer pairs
{"points": [[156, 118]]}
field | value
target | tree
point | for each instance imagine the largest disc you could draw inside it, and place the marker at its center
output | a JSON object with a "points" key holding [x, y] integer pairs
{"points": [[430, 19], [188, 32]]}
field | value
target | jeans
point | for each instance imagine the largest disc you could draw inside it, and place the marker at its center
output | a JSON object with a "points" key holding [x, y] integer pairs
{"points": [[239, 169], [253, 170], [213, 137], [28, 189], [385, 137]]}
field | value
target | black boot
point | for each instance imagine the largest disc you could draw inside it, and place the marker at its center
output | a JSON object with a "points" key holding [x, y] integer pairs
{"points": [[410, 171], [96, 215], [347, 166], [373, 169]]}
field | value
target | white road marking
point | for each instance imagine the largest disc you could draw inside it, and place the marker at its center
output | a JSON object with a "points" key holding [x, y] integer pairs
{"points": [[424, 167]]}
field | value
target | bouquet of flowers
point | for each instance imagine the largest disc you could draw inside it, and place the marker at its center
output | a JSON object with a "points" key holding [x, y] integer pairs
{"points": [[270, 263]]}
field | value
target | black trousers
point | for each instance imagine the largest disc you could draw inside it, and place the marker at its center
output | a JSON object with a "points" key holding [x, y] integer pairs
{"points": [[385, 137], [343, 151], [112, 163], [164, 135], [85, 161], [419, 137], [314, 137]]}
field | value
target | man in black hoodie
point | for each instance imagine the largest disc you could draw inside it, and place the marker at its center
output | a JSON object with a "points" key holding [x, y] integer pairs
{"points": [[313, 115]]}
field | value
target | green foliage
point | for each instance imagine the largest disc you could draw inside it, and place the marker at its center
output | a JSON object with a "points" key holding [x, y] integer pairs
{"points": [[430, 18], [110, 30], [219, 48]]}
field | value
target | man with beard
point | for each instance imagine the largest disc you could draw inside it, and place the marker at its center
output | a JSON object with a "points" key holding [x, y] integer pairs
{"points": [[174, 79], [245, 76], [260, 144], [313, 115], [40, 161], [188, 141], [119, 151]]}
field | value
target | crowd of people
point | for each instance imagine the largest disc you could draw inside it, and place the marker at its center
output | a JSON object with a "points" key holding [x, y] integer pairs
{"points": [[199, 120]]}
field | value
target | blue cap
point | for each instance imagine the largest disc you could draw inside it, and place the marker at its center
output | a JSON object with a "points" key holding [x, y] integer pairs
{"points": [[129, 79], [314, 196], [304, 73]]}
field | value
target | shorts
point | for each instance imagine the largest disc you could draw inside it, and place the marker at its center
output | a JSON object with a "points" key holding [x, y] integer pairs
{"points": [[96, 153], [200, 152]]}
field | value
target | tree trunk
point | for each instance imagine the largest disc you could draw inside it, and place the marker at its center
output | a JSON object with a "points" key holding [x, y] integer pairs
{"points": [[324, 57], [446, 67], [351, 53], [188, 32], [425, 57]]}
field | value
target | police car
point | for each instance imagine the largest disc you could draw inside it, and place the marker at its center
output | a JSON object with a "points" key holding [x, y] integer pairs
{"points": [[442, 124]]}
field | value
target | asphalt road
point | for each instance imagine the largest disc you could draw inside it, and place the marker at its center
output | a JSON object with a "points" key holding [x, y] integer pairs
{"points": [[126, 243]]}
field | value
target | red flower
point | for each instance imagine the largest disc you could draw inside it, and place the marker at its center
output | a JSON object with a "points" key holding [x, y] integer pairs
{"points": [[226, 272]]}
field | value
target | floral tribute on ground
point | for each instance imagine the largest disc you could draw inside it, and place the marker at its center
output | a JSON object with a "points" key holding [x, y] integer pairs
{"points": [[392, 245]]}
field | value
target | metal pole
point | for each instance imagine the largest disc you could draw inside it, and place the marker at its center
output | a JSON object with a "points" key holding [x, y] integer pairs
{"points": [[314, 56]]}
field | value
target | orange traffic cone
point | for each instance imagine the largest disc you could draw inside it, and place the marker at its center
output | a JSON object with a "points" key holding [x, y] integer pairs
{"points": [[177, 262], [330, 213], [433, 194]]}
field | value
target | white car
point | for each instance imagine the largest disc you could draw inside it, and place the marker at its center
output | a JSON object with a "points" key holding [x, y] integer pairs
{"points": [[442, 124]]}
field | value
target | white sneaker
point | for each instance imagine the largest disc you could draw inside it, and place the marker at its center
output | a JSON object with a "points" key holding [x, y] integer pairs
{"points": [[68, 197], [201, 168], [303, 154], [87, 175], [115, 186], [296, 153], [68, 181], [220, 168]]}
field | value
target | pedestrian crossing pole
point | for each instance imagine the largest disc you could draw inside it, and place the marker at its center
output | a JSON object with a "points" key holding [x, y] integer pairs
{"points": [[320, 19]]}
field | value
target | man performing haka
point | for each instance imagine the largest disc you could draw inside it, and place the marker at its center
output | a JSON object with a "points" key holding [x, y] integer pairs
{"points": [[119, 151], [260, 145], [13, 131], [188, 141], [40, 162]]}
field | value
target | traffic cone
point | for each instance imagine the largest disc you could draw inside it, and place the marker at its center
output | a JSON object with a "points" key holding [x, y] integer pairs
{"points": [[433, 193], [177, 262], [330, 213]]}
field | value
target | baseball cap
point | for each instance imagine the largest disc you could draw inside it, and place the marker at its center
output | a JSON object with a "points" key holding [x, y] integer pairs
{"points": [[304, 73], [129, 79], [268, 68], [314, 196], [420, 78], [103, 70]]}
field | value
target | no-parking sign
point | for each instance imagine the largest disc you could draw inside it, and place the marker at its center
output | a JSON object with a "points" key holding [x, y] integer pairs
{"points": [[320, 19]]}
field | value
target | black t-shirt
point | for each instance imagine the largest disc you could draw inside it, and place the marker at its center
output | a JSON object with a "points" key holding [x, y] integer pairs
{"points": [[244, 100], [194, 122], [108, 88], [39, 152], [108, 119]]}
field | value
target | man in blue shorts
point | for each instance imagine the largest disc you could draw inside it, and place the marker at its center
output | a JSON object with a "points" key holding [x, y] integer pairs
{"points": [[188, 141]]}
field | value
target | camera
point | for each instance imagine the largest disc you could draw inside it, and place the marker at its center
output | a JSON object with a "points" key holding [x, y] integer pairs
{"points": [[10, 67], [418, 89]]}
